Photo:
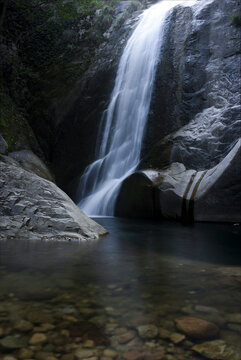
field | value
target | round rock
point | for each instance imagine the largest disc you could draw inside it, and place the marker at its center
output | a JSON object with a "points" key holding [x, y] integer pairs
{"points": [[197, 328], [37, 339], [147, 331]]}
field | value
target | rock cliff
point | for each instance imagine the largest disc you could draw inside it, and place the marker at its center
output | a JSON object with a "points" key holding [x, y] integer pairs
{"points": [[192, 137], [195, 111]]}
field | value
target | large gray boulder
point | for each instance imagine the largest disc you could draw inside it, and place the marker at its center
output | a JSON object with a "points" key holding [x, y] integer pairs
{"points": [[188, 195], [34, 208]]}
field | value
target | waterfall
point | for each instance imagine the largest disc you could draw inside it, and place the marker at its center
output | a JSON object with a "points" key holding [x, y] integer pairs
{"points": [[124, 121]]}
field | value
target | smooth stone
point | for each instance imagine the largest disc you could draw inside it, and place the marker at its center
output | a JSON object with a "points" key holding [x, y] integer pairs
{"points": [[84, 353], [197, 328], [110, 353], [147, 331], [70, 318], [25, 354], [176, 338], [23, 326], [38, 338], [217, 349], [126, 337], [12, 342], [133, 355], [89, 344]]}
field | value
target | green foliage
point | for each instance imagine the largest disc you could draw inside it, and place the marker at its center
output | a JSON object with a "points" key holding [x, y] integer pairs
{"points": [[236, 19], [66, 11], [135, 5], [47, 46], [88, 7], [121, 18]]}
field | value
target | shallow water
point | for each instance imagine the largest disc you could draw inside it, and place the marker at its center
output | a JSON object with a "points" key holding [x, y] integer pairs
{"points": [[143, 272]]}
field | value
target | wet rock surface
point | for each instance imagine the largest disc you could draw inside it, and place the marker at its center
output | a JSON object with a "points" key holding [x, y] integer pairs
{"points": [[197, 120], [32, 207]]}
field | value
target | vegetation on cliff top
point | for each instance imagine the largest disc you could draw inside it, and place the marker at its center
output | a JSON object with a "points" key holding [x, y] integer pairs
{"points": [[45, 46], [39, 39]]}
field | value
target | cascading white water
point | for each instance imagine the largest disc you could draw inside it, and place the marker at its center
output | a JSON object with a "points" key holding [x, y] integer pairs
{"points": [[125, 119]]}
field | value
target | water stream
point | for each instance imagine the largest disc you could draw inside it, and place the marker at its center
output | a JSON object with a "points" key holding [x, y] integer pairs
{"points": [[125, 119]]}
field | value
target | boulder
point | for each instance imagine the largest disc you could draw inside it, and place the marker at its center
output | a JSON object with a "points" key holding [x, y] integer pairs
{"points": [[34, 208], [188, 195]]}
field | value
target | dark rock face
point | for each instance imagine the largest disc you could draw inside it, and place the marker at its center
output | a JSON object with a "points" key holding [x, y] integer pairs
{"points": [[78, 116], [136, 197], [34, 208], [195, 110]]}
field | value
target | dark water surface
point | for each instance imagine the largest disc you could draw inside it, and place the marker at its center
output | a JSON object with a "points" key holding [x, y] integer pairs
{"points": [[143, 273]]}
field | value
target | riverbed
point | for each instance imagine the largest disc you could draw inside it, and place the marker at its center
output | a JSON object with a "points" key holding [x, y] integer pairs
{"points": [[121, 297]]}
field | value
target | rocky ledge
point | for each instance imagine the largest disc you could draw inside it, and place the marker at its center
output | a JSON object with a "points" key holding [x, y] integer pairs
{"points": [[188, 195], [33, 207]]}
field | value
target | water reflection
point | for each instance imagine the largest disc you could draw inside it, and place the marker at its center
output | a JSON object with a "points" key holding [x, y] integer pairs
{"points": [[141, 274]]}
